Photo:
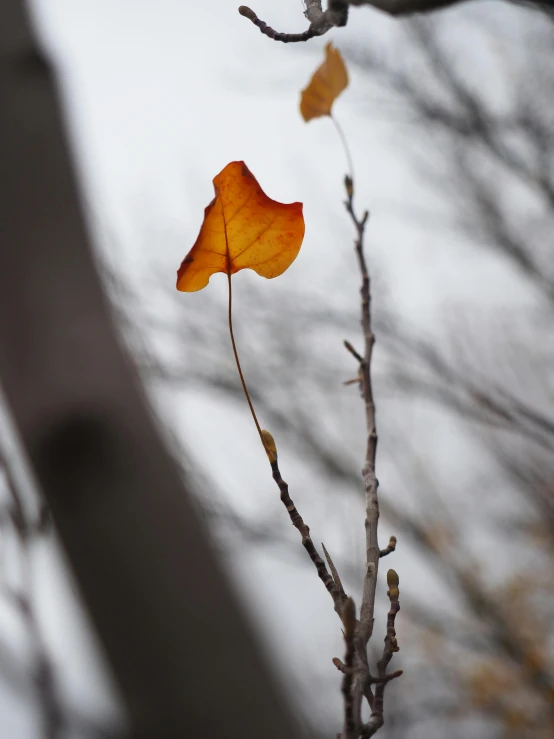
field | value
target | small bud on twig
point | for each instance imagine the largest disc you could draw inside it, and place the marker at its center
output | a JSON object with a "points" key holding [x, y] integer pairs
{"points": [[349, 618], [349, 186], [270, 446], [390, 548], [393, 581]]}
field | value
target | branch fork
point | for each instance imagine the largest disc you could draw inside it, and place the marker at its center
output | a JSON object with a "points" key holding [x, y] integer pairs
{"points": [[358, 679]]}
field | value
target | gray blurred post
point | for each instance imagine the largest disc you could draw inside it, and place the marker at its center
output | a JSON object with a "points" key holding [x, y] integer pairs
{"points": [[180, 649]]}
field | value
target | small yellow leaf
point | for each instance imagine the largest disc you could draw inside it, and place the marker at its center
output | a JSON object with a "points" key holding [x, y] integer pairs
{"points": [[327, 83]]}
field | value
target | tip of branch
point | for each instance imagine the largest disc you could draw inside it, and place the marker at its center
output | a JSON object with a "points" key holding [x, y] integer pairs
{"points": [[246, 12], [395, 674], [348, 346], [271, 32]]}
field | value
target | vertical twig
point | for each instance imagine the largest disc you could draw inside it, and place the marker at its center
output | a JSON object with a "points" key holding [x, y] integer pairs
{"points": [[360, 679], [368, 470]]}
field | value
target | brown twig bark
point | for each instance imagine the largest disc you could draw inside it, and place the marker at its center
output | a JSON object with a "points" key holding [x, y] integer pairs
{"points": [[370, 480], [286, 38], [334, 588], [357, 675], [336, 15]]}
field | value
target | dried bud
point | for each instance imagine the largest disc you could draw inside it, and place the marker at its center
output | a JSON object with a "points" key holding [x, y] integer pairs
{"points": [[269, 445], [349, 185]]}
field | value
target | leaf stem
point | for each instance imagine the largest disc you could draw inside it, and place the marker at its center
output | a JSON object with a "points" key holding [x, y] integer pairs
{"points": [[345, 147], [237, 361]]}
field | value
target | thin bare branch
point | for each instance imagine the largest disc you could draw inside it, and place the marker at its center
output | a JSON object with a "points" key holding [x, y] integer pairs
{"points": [[370, 480], [321, 21], [286, 38], [338, 595], [357, 677], [348, 346]]}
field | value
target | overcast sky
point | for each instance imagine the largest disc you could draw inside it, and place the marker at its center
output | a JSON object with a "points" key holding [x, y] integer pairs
{"points": [[160, 96]]}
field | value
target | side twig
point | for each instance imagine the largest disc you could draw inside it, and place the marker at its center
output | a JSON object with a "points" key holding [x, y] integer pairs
{"points": [[376, 719], [334, 589], [286, 38], [390, 548]]}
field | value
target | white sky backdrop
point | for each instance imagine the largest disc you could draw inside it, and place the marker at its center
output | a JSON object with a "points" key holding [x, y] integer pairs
{"points": [[160, 97]]}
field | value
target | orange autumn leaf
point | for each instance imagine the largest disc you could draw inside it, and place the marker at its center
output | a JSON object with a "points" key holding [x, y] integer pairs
{"points": [[329, 80], [243, 229]]}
